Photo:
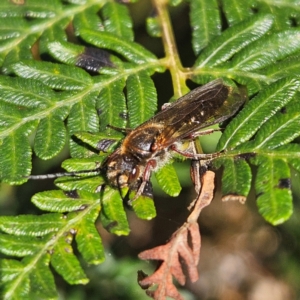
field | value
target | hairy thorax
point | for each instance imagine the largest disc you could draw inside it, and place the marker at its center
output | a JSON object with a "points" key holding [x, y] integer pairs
{"points": [[138, 151]]}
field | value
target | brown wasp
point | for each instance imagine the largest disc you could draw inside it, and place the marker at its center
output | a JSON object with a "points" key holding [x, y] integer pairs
{"points": [[150, 146]]}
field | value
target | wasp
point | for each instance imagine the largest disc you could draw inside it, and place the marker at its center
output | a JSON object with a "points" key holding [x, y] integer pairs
{"points": [[151, 145]]}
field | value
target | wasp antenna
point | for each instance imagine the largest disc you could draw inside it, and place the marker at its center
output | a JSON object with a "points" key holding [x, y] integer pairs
{"points": [[62, 174], [124, 130], [48, 176]]}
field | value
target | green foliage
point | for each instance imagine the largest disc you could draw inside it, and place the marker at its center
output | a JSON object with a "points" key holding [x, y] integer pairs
{"points": [[168, 181], [269, 121], [49, 102]]}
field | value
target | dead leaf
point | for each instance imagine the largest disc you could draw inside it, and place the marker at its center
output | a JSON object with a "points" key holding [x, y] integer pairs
{"points": [[184, 245]]}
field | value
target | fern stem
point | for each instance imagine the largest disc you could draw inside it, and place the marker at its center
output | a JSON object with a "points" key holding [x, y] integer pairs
{"points": [[172, 57]]}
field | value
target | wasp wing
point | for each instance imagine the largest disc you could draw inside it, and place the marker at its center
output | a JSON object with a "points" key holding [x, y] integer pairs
{"points": [[202, 107]]}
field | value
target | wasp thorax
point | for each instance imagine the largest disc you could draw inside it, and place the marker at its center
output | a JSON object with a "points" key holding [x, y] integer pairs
{"points": [[122, 170]]}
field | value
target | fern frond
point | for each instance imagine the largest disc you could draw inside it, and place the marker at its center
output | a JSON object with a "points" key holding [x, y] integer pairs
{"points": [[47, 239], [206, 23], [278, 127], [233, 40], [258, 111], [70, 68]]}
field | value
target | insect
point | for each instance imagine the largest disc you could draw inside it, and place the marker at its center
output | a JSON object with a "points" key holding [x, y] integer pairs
{"points": [[150, 146]]}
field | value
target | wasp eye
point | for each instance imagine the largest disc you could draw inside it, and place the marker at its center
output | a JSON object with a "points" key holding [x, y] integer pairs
{"points": [[134, 174]]}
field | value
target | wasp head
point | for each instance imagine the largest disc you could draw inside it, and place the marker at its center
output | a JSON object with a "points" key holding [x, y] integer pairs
{"points": [[122, 170]]}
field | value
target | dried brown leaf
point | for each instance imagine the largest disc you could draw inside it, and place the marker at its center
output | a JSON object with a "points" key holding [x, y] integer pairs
{"points": [[185, 243]]}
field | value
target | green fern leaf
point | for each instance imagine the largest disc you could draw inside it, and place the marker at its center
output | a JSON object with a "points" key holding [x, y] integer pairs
{"points": [[66, 263], [9, 269], [58, 201], [19, 289], [291, 153], [141, 98], [87, 181], [280, 130], [55, 76], [26, 93], [86, 163], [88, 18], [11, 29], [237, 11], [233, 40], [96, 139], [237, 176], [116, 20], [143, 207], [30, 225], [262, 54], [130, 50], [34, 8], [274, 198], [168, 180], [282, 12], [13, 164], [272, 184], [153, 27], [286, 67], [42, 281], [57, 245], [88, 240], [19, 246], [112, 215], [50, 136], [65, 52], [83, 117], [110, 104], [257, 112], [205, 21]]}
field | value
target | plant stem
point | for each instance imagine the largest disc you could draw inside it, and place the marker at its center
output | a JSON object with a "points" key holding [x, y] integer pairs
{"points": [[173, 62]]}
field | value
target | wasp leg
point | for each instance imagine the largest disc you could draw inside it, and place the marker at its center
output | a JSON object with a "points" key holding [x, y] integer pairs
{"points": [[146, 186], [198, 169], [195, 175], [195, 155], [195, 166], [203, 132]]}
